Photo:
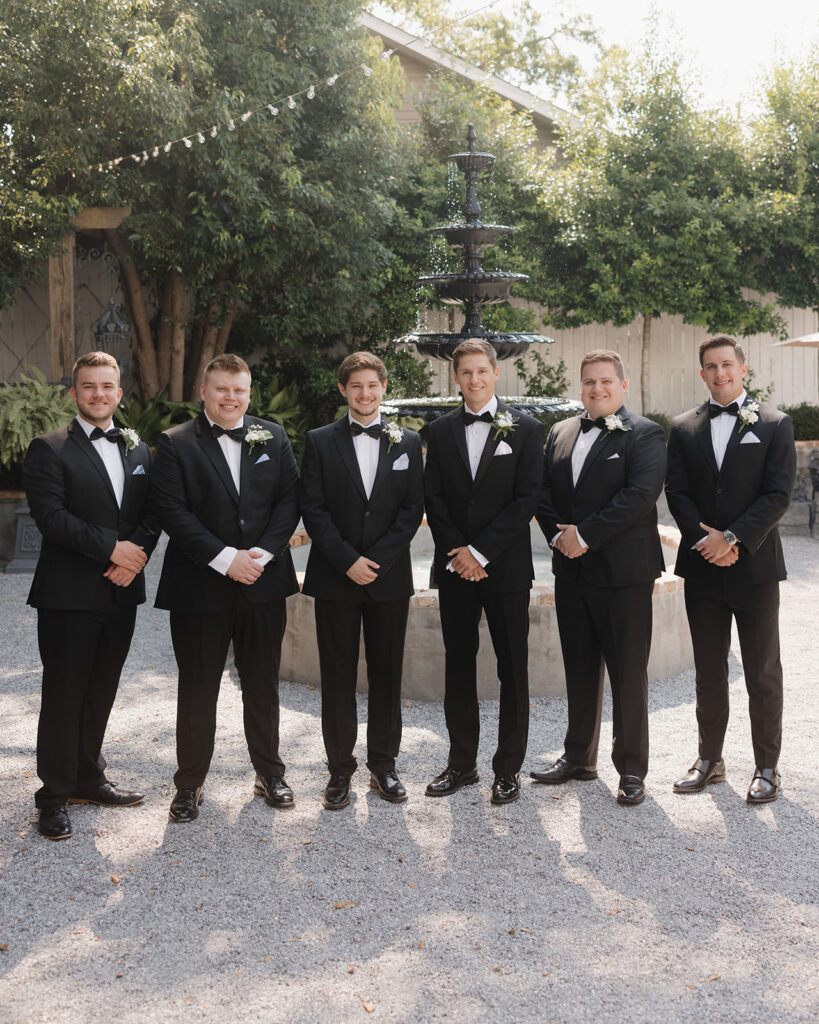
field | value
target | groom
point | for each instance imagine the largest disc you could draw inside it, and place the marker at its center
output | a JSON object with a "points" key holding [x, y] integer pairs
{"points": [[482, 482]]}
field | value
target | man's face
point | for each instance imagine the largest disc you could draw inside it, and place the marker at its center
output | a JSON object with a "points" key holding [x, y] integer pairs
{"points": [[601, 390], [723, 373], [364, 393], [476, 378], [97, 394], [226, 396]]}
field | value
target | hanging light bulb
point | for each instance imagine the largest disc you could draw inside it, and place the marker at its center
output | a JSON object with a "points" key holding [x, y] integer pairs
{"points": [[167, 147], [311, 92], [231, 126], [247, 115], [188, 143], [213, 132], [367, 71], [332, 79], [155, 151], [291, 102], [200, 136], [273, 110]]}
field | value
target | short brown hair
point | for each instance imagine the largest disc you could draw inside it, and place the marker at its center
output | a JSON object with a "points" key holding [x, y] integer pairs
{"points": [[474, 347], [361, 361], [722, 341], [604, 355], [94, 359], [226, 363]]}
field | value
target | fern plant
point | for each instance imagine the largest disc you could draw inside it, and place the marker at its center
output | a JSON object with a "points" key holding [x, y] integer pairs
{"points": [[28, 408]]}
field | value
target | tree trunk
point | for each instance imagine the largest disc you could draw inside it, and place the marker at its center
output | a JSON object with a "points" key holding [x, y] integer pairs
{"points": [[177, 316], [144, 351], [645, 368], [194, 356], [214, 340], [164, 331]]}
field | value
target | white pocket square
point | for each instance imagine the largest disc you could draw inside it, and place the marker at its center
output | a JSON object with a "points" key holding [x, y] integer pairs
{"points": [[262, 458], [750, 439], [503, 449], [138, 471], [402, 462], [615, 456]]}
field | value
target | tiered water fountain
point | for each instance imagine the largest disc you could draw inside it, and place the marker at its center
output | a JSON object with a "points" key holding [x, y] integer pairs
{"points": [[472, 289]]}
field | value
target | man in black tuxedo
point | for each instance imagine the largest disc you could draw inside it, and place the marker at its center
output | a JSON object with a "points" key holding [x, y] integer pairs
{"points": [[362, 500], [731, 470], [602, 475], [225, 489], [482, 480], [87, 487]]}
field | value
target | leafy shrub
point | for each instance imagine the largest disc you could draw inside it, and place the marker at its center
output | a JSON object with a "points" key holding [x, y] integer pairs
{"points": [[281, 405], [805, 420], [150, 418], [662, 419], [544, 380], [27, 409], [548, 419]]}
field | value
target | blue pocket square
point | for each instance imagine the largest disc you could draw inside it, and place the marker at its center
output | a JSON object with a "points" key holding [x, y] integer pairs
{"points": [[138, 471], [262, 458]]}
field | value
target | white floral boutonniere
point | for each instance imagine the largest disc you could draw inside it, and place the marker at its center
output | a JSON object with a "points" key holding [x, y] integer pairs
{"points": [[393, 433], [615, 422], [130, 437], [747, 415], [503, 424], [257, 435]]}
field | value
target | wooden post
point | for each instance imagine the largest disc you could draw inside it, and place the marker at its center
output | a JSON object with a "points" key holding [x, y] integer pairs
{"points": [[61, 310]]}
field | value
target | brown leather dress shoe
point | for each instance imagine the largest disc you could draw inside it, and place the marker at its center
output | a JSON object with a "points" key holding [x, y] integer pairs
{"points": [[275, 791], [107, 794], [563, 771], [389, 786], [450, 781], [53, 822], [701, 774], [765, 786], [185, 805]]}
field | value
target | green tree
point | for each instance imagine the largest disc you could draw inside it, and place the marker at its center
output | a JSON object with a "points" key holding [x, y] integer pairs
{"points": [[651, 214], [285, 204]]}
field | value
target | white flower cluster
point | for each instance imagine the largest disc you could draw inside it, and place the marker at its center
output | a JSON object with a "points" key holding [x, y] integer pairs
{"points": [[393, 432], [615, 422], [130, 437], [748, 414], [257, 435]]}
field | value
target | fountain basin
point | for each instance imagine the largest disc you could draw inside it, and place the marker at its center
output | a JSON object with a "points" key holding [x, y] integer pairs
{"points": [[480, 287], [424, 650], [476, 235]]}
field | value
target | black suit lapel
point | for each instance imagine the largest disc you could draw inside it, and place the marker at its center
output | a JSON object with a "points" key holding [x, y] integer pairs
{"points": [[702, 428], [600, 444], [210, 446], [459, 435], [346, 449], [734, 439], [384, 463], [81, 439], [490, 446], [562, 453]]}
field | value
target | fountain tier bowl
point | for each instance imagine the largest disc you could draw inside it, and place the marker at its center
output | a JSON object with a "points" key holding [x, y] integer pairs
{"points": [[476, 235], [442, 345], [482, 288]]}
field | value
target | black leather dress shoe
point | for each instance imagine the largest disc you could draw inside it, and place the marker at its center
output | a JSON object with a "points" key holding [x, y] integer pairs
{"points": [[450, 781], [53, 822], [632, 791], [701, 774], [389, 786], [107, 795], [337, 792], [275, 791], [185, 805], [765, 785], [505, 789], [563, 771]]}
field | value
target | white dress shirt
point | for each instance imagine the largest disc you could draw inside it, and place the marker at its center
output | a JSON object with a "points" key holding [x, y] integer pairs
{"points": [[110, 455], [582, 447], [476, 435], [722, 427], [366, 452], [232, 451]]}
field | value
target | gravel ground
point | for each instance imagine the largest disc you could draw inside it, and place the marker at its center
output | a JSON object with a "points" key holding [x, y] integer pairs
{"points": [[561, 907]]}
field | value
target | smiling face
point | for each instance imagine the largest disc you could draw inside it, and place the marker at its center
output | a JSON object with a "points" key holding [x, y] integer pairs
{"points": [[97, 393], [723, 373], [601, 390], [364, 391], [226, 396], [476, 378]]}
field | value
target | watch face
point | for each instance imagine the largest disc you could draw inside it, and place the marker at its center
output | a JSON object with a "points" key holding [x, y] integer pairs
{"points": [[730, 538]]}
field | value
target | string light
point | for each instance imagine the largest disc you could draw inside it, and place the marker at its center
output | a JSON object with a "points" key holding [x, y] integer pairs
{"points": [[273, 110], [291, 102], [200, 136], [246, 116], [214, 132], [231, 126], [332, 79], [188, 143]]}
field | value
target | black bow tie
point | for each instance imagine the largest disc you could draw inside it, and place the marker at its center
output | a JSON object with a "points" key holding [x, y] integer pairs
{"points": [[718, 410], [470, 417], [586, 423], [236, 434], [373, 431], [112, 435]]}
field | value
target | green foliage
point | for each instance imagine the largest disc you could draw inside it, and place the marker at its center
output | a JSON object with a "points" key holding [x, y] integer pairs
{"points": [[150, 418], [544, 380], [805, 418], [757, 392], [663, 419], [548, 419], [415, 423], [313, 376], [27, 409], [268, 401]]}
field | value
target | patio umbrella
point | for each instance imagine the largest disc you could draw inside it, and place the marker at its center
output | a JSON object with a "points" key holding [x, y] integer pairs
{"points": [[806, 341]]}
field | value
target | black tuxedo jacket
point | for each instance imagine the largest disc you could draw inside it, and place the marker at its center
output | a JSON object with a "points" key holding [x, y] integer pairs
{"points": [[613, 505], [491, 512], [73, 504], [196, 503], [748, 495], [343, 524]]}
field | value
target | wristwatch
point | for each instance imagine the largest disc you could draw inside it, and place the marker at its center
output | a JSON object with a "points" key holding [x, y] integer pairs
{"points": [[730, 538]]}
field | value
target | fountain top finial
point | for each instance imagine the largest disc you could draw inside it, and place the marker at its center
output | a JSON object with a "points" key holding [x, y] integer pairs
{"points": [[471, 138]]}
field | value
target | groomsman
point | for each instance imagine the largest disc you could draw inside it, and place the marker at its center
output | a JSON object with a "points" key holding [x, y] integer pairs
{"points": [[87, 487], [731, 470], [362, 500], [225, 489], [602, 475], [482, 481]]}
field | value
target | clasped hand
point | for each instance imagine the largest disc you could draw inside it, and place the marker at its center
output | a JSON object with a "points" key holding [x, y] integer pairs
{"points": [[127, 561], [715, 549], [362, 571], [245, 567], [567, 543], [467, 565]]}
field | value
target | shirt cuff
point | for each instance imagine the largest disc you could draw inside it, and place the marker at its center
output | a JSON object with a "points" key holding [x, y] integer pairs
{"points": [[266, 555], [479, 557], [222, 561], [556, 538], [580, 540]]}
